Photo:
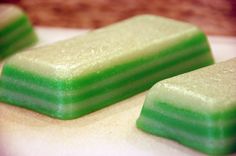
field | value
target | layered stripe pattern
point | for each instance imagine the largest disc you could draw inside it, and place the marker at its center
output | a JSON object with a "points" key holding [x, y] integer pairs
{"points": [[210, 129], [73, 97], [16, 32]]}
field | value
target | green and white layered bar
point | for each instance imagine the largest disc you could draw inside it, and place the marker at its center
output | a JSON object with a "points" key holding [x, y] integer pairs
{"points": [[197, 109], [16, 31], [71, 78]]}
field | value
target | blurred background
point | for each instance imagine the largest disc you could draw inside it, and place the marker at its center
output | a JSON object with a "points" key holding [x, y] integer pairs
{"points": [[216, 17]]}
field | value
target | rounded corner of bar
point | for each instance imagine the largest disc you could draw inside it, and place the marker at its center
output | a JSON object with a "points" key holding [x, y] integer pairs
{"points": [[138, 122], [59, 112], [66, 116], [65, 112], [63, 116]]}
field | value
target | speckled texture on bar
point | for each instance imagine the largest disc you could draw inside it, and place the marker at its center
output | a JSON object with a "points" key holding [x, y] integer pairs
{"points": [[74, 77], [198, 109]]}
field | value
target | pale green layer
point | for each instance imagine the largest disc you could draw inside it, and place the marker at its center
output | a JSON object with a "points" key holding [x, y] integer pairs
{"points": [[8, 15], [27, 39], [204, 144], [201, 126], [81, 82], [80, 94], [16, 30], [16, 36], [197, 108], [210, 90], [109, 46], [77, 109], [105, 62]]}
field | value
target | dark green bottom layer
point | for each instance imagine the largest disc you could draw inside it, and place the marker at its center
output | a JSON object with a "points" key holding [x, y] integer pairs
{"points": [[192, 129]]}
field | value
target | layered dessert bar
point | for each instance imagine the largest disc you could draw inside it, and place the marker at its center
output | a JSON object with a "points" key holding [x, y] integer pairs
{"points": [[16, 31], [74, 77], [197, 109]]}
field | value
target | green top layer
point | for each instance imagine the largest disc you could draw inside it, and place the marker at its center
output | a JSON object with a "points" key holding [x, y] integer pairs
{"points": [[8, 14], [99, 49], [210, 89]]}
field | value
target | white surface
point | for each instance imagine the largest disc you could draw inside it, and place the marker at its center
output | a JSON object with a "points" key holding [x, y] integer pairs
{"points": [[110, 131]]}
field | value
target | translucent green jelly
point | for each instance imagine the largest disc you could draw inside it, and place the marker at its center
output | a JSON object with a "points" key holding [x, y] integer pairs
{"points": [[16, 31], [197, 109], [74, 77]]}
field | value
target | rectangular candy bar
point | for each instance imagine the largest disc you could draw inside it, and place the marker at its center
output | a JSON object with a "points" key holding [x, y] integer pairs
{"points": [[16, 31], [197, 109], [71, 78]]}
